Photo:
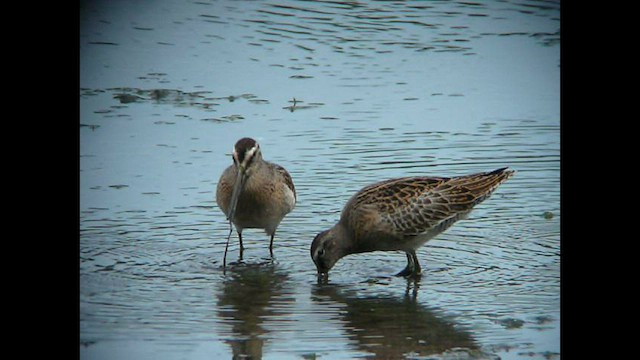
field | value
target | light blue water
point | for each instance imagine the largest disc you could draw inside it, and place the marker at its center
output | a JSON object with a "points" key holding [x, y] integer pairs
{"points": [[382, 89]]}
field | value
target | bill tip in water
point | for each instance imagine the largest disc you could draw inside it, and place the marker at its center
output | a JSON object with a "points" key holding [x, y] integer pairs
{"points": [[323, 276]]}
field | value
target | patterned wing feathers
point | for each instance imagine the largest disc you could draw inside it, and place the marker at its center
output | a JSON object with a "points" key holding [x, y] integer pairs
{"points": [[412, 206]]}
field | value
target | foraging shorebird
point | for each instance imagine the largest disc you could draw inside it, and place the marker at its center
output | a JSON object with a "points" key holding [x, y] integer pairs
{"points": [[254, 193], [402, 214]]}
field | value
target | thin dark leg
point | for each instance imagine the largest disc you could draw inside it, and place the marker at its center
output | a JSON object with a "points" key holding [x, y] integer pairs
{"points": [[413, 268], [271, 244], [241, 246], [409, 269], [417, 270]]}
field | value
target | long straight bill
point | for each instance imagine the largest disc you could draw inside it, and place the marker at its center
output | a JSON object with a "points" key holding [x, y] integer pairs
{"points": [[235, 195], [237, 188]]}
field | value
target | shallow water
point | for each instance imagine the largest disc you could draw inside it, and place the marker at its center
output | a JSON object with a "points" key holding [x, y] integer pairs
{"points": [[342, 95]]}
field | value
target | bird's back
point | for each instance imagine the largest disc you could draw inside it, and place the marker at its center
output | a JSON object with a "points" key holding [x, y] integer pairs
{"points": [[400, 208]]}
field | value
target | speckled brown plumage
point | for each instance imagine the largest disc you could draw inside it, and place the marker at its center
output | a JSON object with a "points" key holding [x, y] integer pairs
{"points": [[265, 194], [402, 214]]}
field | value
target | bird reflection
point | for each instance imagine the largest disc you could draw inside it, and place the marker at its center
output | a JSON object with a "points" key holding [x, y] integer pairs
{"points": [[391, 327], [246, 300]]}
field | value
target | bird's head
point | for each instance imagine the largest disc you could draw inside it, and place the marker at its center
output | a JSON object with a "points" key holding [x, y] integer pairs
{"points": [[246, 154], [326, 249]]}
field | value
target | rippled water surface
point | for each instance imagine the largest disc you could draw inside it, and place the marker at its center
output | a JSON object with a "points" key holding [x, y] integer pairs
{"points": [[341, 94]]}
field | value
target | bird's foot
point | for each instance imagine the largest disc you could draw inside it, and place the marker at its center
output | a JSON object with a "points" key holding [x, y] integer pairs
{"points": [[409, 273]]}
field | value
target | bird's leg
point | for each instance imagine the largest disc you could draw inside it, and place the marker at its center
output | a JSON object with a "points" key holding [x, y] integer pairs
{"points": [[271, 244], [417, 270], [408, 270], [413, 266], [241, 246]]}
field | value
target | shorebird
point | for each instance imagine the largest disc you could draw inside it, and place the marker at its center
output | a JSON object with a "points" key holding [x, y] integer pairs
{"points": [[254, 193], [402, 214]]}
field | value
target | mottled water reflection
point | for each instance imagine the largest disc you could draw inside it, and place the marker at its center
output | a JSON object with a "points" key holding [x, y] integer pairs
{"points": [[392, 327], [247, 297]]}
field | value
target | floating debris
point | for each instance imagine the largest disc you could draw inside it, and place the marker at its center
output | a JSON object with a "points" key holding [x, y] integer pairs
{"points": [[300, 77], [234, 117], [102, 43], [547, 215], [295, 105], [119, 186], [90, 126], [198, 99], [543, 319], [225, 119], [511, 323], [259, 101], [127, 98], [293, 108], [232, 98], [90, 92]]}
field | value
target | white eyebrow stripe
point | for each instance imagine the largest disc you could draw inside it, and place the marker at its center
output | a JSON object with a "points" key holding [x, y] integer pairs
{"points": [[249, 153]]}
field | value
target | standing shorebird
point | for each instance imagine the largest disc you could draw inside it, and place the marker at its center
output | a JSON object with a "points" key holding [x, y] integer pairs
{"points": [[402, 214], [254, 193]]}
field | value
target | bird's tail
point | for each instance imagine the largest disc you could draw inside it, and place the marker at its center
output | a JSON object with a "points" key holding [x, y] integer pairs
{"points": [[475, 188], [484, 184]]}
